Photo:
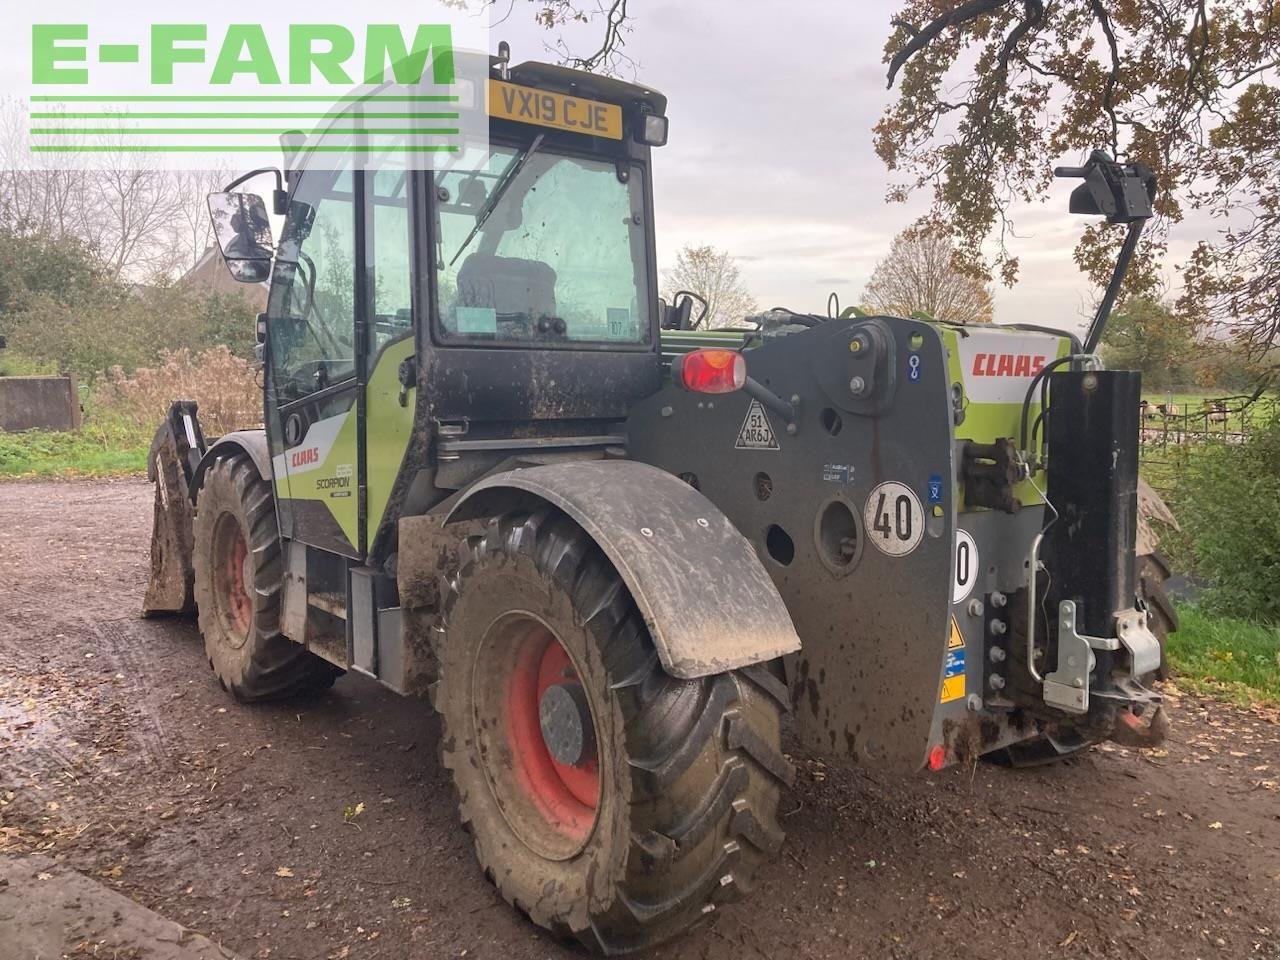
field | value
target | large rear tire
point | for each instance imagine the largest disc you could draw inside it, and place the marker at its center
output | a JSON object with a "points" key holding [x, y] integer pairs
{"points": [[238, 583], [1150, 573], [608, 801]]}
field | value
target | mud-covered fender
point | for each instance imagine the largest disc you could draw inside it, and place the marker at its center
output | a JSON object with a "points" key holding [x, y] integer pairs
{"points": [[252, 442], [706, 598]]}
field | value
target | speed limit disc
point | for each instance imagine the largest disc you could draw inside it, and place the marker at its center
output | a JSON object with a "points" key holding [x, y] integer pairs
{"points": [[894, 518]]}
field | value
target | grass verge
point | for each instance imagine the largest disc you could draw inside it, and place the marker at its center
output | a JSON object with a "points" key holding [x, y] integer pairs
{"points": [[95, 451], [1228, 659]]}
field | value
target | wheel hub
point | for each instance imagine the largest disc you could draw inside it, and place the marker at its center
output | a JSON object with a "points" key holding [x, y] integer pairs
{"points": [[565, 718]]}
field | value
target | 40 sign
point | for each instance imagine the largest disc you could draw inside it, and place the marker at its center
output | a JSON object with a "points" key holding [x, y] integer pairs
{"points": [[894, 519]]}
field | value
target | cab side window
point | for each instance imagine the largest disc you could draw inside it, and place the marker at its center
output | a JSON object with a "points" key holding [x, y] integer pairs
{"points": [[311, 321], [391, 256]]}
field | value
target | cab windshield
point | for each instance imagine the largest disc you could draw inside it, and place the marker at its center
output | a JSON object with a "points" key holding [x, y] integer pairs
{"points": [[538, 246]]}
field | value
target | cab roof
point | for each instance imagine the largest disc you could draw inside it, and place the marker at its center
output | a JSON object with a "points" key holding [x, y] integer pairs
{"points": [[549, 76]]}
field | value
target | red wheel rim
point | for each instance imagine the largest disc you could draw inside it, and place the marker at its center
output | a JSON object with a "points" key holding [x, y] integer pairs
{"points": [[566, 795], [231, 553], [549, 793]]}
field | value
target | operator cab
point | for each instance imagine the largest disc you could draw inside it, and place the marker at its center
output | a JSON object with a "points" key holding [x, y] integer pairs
{"points": [[424, 326], [546, 254]]}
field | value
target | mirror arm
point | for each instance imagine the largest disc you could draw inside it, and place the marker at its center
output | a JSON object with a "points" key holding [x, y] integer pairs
{"points": [[1123, 193], [279, 198], [1099, 324]]}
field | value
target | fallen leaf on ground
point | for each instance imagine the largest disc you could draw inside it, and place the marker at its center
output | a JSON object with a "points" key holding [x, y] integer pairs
{"points": [[349, 813]]}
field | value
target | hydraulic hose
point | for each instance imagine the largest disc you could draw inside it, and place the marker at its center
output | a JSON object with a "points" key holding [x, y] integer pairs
{"points": [[1041, 378]]}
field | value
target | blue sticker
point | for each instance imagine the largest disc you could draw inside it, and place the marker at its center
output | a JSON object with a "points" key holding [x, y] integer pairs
{"points": [[935, 489], [955, 663], [913, 367]]}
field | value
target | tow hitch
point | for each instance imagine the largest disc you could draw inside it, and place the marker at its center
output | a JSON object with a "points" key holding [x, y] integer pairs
{"points": [[1067, 688]]}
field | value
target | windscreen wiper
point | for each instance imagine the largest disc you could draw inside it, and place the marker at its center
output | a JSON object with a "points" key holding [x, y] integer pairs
{"points": [[508, 177]]}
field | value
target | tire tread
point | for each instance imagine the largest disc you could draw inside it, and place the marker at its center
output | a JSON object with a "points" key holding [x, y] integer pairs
{"points": [[705, 781]]}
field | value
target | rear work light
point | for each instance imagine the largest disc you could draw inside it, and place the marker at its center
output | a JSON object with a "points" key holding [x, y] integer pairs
{"points": [[653, 130], [710, 371]]}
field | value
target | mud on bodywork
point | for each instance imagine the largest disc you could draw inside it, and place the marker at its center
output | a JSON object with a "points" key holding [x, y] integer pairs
{"points": [[901, 660], [872, 618]]}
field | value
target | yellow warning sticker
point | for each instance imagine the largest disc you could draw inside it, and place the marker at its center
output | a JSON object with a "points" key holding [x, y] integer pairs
{"points": [[953, 668], [952, 689]]}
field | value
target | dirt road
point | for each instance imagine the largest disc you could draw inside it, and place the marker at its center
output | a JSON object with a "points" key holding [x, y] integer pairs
{"points": [[327, 829]]}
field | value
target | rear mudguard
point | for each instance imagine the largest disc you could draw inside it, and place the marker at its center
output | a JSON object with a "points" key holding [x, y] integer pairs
{"points": [[704, 595]]}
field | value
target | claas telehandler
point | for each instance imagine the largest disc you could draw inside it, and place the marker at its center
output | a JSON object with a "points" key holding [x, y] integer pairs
{"points": [[616, 551]]}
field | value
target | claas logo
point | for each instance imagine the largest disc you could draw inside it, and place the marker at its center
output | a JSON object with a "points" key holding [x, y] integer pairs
{"points": [[303, 457], [1007, 364]]}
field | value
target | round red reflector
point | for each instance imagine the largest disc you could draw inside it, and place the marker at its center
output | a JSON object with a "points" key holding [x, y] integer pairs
{"points": [[712, 371], [937, 757]]}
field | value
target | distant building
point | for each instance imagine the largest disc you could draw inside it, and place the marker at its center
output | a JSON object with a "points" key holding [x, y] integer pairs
{"points": [[210, 274]]}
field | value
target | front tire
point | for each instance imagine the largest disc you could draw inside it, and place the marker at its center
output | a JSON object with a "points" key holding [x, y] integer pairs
{"points": [[608, 801], [238, 584]]}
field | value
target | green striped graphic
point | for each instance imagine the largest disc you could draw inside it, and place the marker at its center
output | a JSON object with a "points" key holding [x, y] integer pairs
{"points": [[235, 116], [240, 148], [245, 98], [226, 131]]}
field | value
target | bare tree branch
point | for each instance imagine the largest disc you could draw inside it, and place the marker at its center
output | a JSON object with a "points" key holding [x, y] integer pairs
{"points": [[965, 13]]}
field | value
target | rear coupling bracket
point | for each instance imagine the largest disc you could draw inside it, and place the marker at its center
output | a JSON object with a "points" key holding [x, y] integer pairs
{"points": [[1067, 688]]}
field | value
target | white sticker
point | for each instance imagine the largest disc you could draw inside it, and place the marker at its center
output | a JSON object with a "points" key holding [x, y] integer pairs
{"points": [[757, 432], [621, 326], [967, 566], [894, 518], [476, 319], [998, 366], [312, 450]]}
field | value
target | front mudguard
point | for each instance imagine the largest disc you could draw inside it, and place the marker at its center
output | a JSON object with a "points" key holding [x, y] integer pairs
{"points": [[704, 595], [251, 442]]}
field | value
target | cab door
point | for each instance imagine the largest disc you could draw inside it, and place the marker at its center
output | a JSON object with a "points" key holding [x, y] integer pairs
{"points": [[313, 354], [389, 374]]}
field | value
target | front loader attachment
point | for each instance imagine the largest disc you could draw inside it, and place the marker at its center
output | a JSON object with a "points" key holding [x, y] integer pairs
{"points": [[175, 452]]}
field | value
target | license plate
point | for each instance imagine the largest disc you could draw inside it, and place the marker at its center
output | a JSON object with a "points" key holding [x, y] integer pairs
{"points": [[546, 109]]}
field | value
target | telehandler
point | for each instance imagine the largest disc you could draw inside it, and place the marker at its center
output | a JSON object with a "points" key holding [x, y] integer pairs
{"points": [[614, 551]]}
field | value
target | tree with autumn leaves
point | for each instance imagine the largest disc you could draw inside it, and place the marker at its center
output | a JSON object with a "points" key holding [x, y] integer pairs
{"points": [[990, 93], [921, 275]]}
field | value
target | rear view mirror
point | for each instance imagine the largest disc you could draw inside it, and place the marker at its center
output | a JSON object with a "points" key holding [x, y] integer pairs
{"points": [[243, 231]]}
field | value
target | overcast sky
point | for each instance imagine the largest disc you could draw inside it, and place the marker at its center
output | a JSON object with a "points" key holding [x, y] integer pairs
{"points": [[771, 153]]}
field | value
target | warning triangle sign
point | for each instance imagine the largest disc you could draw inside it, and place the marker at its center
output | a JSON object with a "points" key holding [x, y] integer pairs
{"points": [[756, 433], [956, 640]]}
